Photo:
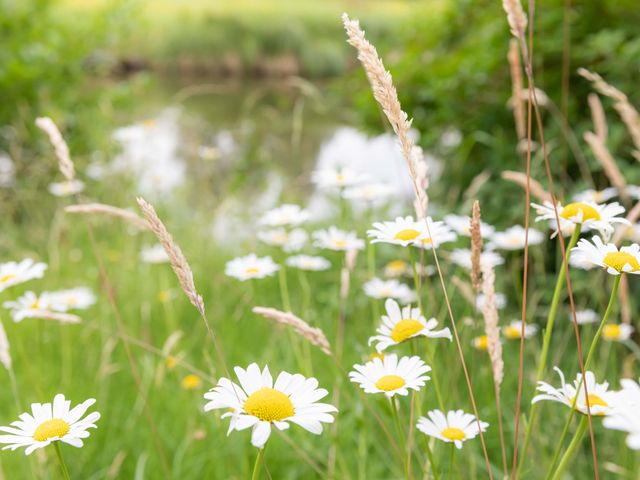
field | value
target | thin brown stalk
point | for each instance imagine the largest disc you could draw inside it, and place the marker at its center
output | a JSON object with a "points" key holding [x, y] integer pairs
{"points": [[59, 145], [109, 210], [608, 163], [516, 87], [535, 188], [313, 335], [598, 117], [476, 246]]}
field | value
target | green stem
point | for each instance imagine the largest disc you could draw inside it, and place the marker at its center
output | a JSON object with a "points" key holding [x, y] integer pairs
{"points": [[258, 465], [63, 466], [568, 455], [396, 419], [416, 278], [546, 343], [432, 462], [284, 289], [451, 458]]}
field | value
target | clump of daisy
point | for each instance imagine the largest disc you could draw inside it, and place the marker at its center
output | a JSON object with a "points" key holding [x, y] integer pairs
{"points": [[287, 215], [585, 317], [456, 426], [337, 178], [617, 332], [308, 262], [289, 241], [403, 231], [513, 238], [251, 266], [154, 254], [260, 404], [588, 214], [335, 239], [400, 325], [48, 423], [66, 188], [13, 273], [608, 256], [513, 331], [28, 305], [461, 223], [599, 393], [390, 375], [623, 414], [79, 298], [392, 288], [462, 258]]}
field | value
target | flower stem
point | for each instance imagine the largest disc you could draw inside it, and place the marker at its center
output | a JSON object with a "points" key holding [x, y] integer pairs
{"points": [[568, 455], [258, 465], [416, 278], [432, 462], [63, 466], [546, 343], [396, 419]]}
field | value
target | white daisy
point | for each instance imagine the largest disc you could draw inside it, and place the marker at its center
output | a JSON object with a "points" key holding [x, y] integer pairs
{"points": [[402, 231], [500, 298], [250, 266], [66, 188], [462, 258], [480, 343], [456, 426], [335, 239], [154, 254], [401, 325], [308, 262], [287, 215], [585, 317], [514, 330], [50, 423], [390, 375], [623, 415], [331, 178], [461, 224], [289, 241], [631, 232], [616, 262], [397, 268], [513, 238], [589, 214], [78, 298], [368, 193], [28, 305], [378, 288], [617, 332], [599, 393], [440, 234], [13, 273], [596, 196], [577, 261], [260, 403]]}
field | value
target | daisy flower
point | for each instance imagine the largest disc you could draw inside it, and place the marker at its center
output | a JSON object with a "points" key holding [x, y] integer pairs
{"points": [[66, 188], [632, 232], [513, 238], [390, 375], [462, 258], [377, 288], [616, 262], [308, 262], [440, 234], [250, 266], [78, 298], [369, 193], [13, 273], [260, 403], [514, 330], [154, 254], [456, 426], [397, 268], [335, 239], [624, 412], [617, 332], [402, 231], [287, 215], [576, 261], [331, 178], [28, 305], [599, 393], [481, 343], [399, 325], [596, 196], [585, 317], [461, 225], [589, 214], [289, 241], [50, 423]]}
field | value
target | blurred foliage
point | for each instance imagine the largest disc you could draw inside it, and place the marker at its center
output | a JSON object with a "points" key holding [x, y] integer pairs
{"points": [[454, 72]]}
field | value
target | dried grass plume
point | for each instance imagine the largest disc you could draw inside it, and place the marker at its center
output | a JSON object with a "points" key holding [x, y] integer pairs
{"points": [[516, 18], [103, 209], [536, 189], [476, 246], [59, 145]]}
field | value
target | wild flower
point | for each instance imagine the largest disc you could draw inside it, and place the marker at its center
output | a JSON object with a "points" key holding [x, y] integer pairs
{"points": [[250, 266], [391, 375], [615, 261], [13, 273], [455, 427]]}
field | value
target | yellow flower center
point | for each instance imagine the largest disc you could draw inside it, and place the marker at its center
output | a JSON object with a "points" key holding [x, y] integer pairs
{"points": [[407, 234], [376, 355], [6, 278], [390, 382], [481, 342], [453, 433], [269, 405], [512, 332], [397, 265], [54, 428], [405, 329], [339, 243], [617, 261], [339, 178], [573, 209], [36, 304], [164, 296], [593, 401], [191, 382], [426, 241], [251, 270], [612, 331]]}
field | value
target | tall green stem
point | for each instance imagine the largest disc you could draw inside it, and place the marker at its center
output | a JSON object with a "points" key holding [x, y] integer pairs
{"points": [[258, 465], [396, 419], [432, 462], [63, 466], [546, 343], [571, 450]]}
